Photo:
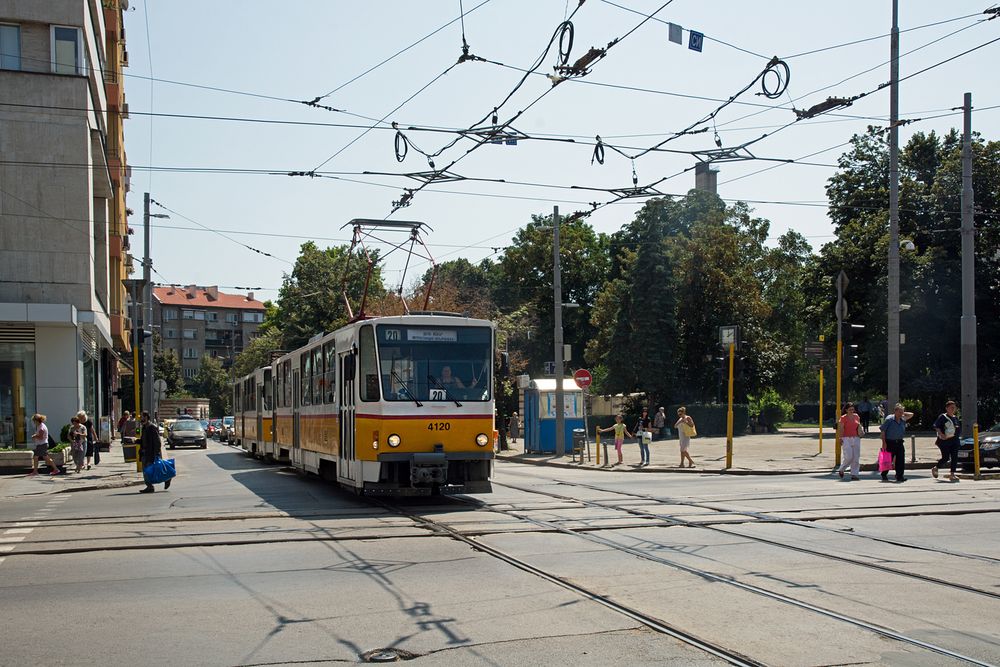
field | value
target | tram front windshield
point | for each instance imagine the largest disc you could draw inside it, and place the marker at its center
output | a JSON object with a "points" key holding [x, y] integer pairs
{"points": [[435, 363]]}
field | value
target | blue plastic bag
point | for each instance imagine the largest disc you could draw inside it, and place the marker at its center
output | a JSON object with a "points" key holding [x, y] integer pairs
{"points": [[159, 471]]}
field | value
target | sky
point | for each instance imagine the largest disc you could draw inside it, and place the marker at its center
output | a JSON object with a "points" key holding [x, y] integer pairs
{"points": [[242, 60]]}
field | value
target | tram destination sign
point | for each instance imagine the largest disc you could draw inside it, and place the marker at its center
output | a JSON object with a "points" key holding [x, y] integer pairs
{"points": [[432, 335]]}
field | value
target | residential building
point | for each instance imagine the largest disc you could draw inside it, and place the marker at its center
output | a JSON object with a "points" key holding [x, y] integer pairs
{"points": [[197, 321], [63, 236]]}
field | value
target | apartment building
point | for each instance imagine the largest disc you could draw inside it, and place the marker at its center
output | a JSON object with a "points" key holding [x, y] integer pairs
{"points": [[63, 231], [197, 321]]}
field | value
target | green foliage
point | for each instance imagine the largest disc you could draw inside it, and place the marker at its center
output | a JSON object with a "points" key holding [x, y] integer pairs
{"points": [[167, 367], [64, 433], [58, 448], [258, 353], [310, 300], [212, 382], [773, 410]]}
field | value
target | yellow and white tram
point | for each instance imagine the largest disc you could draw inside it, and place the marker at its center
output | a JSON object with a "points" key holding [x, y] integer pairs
{"points": [[399, 404], [253, 405]]}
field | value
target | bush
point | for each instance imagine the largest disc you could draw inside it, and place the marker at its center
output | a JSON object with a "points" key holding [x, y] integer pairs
{"points": [[771, 409], [64, 433], [58, 448]]}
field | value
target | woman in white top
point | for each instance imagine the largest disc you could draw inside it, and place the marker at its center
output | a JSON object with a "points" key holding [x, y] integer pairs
{"points": [[40, 440], [685, 429]]}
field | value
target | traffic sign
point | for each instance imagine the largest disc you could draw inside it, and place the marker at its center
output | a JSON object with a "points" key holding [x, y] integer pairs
{"points": [[583, 378]]}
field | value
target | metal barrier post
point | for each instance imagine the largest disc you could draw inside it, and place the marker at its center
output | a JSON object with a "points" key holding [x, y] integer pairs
{"points": [[597, 440], [975, 449], [913, 449]]}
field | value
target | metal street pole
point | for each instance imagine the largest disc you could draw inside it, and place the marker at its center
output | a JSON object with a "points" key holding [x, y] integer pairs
{"points": [[821, 409], [729, 412], [558, 336], [136, 380], [970, 397], [147, 320], [842, 282], [893, 314]]}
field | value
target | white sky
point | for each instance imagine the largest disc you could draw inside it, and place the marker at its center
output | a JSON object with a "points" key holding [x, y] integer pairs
{"points": [[311, 47]]}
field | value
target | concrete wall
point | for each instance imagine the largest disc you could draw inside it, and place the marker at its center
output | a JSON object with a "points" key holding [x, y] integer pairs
{"points": [[58, 374]]}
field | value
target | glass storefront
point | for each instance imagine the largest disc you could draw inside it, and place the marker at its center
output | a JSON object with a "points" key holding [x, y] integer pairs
{"points": [[17, 392]]}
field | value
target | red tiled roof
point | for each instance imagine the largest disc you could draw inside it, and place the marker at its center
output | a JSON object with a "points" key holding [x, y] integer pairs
{"points": [[205, 297]]}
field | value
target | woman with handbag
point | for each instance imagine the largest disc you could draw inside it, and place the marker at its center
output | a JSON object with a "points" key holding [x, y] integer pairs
{"points": [[685, 431], [850, 440]]}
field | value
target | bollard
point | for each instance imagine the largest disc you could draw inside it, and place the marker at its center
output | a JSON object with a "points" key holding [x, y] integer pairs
{"points": [[597, 439], [913, 449], [975, 450]]}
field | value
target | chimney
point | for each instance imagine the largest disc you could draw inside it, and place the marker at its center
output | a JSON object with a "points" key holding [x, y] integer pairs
{"points": [[212, 293], [706, 178], [249, 296]]}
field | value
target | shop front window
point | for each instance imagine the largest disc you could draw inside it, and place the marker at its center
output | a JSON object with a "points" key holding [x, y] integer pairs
{"points": [[17, 392]]}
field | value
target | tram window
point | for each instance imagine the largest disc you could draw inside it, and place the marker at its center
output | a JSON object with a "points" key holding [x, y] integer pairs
{"points": [[288, 383], [369, 365], [318, 376], [330, 353], [305, 362], [268, 391]]}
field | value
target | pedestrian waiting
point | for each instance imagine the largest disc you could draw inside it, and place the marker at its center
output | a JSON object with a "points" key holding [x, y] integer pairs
{"points": [[949, 436], [850, 441], [659, 423], [77, 442], [685, 431], [893, 432], [643, 431], [40, 440], [620, 432]]}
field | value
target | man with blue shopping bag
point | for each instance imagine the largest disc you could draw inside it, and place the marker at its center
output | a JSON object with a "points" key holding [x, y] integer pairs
{"points": [[154, 468]]}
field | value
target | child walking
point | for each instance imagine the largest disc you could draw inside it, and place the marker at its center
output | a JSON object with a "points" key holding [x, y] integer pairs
{"points": [[620, 432]]}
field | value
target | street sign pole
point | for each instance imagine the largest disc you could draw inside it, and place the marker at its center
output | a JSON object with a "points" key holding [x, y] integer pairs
{"points": [[842, 283], [729, 413], [821, 410]]}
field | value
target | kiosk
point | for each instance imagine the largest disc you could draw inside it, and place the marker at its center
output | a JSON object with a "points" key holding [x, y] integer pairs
{"points": [[540, 415]]}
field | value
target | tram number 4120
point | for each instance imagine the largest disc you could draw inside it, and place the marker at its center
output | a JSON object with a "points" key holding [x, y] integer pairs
{"points": [[439, 426]]}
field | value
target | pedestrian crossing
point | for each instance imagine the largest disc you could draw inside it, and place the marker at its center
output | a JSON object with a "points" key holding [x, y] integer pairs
{"points": [[11, 538]]}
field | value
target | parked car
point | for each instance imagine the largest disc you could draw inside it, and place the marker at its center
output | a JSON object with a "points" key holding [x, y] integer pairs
{"points": [[228, 425], [186, 432], [989, 449]]}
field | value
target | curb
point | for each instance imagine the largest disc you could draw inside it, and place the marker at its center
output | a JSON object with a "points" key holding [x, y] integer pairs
{"points": [[697, 471]]}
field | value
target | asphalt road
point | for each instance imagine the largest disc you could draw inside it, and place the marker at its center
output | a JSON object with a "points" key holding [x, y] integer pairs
{"points": [[244, 563]]}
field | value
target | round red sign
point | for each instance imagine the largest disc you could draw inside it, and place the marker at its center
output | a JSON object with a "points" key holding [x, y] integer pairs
{"points": [[583, 378]]}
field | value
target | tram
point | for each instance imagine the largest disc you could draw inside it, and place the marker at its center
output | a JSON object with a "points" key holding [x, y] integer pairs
{"points": [[384, 405]]}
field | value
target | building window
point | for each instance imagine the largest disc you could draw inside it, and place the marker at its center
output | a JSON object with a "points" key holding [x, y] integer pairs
{"points": [[253, 317], [190, 353], [212, 317], [199, 314], [231, 318], [171, 333], [190, 372], [170, 314], [189, 334], [67, 50], [188, 314], [10, 46]]}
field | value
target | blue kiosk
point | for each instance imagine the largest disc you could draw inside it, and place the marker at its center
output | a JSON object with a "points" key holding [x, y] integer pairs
{"points": [[540, 414]]}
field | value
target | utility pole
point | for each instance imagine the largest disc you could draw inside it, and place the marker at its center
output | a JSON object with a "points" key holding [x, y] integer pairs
{"points": [[147, 300], [558, 337], [136, 380], [970, 395], [842, 282], [893, 314]]}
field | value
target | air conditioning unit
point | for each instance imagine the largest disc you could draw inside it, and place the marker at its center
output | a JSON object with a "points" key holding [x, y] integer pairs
{"points": [[125, 110]]}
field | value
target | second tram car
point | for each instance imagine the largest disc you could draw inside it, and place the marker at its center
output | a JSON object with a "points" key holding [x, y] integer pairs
{"points": [[399, 404]]}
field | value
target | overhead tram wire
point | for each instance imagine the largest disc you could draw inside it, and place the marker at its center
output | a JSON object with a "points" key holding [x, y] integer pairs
{"points": [[228, 238], [401, 52]]}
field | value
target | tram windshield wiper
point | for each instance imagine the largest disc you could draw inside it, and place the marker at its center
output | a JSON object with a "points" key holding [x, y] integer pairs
{"points": [[437, 383], [405, 388]]}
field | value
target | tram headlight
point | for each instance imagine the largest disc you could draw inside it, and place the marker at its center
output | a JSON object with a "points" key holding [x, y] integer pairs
{"points": [[394, 440], [482, 440]]}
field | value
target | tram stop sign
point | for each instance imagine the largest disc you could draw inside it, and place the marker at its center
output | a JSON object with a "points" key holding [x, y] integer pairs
{"points": [[583, 378]]}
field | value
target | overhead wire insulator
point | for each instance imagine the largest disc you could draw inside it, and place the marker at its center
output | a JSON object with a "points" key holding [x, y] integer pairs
{"points": [[598, 151]]}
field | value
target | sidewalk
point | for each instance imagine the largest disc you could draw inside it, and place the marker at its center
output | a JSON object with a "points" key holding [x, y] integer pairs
{"points": [[112, 473], [793, 450]]}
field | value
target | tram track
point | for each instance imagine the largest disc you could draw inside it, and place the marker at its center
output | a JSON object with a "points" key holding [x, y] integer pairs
{"points": [[764, 517], [679, 522], [590, 536]]}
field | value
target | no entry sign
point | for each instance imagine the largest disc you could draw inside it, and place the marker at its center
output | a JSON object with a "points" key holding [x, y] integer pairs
{"points": [[583, 378]]}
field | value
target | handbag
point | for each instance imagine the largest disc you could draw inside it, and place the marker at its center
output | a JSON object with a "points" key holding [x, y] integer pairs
{"points": [[160, 471], [884, 460], [689, 430]]}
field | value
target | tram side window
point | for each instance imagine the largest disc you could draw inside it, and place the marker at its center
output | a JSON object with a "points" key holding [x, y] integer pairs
{"points": [[288, 383], [318, 376], [236, 399], [306, 378], [268, 391], [330, 354], [368, 365]]}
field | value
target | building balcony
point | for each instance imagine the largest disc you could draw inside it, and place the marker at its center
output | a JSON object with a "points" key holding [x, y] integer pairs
{"points": [[120, 332]]}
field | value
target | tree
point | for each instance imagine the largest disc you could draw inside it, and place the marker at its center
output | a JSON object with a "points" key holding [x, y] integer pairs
{"points": [[258, 353], [212, 382], [167, 367], [310, 300]]}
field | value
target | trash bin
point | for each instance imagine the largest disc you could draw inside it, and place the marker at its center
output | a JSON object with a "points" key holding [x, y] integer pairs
{"points": [[579, 439], [130, 450]]}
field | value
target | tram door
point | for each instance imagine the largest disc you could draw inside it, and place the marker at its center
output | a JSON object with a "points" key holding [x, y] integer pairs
{"points": [[345, 452], [296, 403], [260, 419]]}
